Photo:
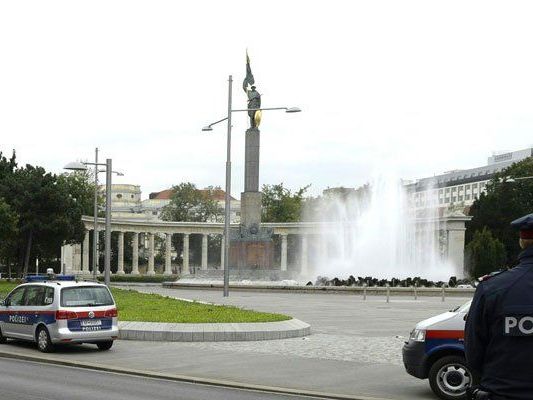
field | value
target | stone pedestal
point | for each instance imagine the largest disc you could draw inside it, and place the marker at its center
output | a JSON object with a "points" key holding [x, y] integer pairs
{"points": [[251, 248], [251, 255]]}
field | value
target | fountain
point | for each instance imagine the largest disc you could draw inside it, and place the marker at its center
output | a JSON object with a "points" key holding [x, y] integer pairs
{"points": [[376, 231]]}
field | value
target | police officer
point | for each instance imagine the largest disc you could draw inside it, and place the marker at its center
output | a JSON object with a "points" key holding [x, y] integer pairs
{"points": [[499, 328]]}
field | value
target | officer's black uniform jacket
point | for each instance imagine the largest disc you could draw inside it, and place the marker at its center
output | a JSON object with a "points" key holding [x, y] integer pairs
{"points": [[497, 349]]}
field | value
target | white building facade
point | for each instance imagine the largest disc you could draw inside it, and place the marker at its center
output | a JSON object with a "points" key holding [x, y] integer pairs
{"points": [[127, 203], [462, 187]]}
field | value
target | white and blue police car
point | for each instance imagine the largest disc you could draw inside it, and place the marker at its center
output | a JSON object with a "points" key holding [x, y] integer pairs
{"points": [[436, 351], [50, 310]]}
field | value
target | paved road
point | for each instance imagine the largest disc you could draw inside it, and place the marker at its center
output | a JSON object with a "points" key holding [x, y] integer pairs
{"points": [[354, 349], [28, 380]]}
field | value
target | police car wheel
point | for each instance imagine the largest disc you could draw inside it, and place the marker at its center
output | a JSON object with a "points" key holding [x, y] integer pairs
{"points": [[449, 377], [3, 339], [44, 344], [105, 345]]}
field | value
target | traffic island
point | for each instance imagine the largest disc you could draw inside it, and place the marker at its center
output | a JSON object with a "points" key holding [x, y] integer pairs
{"points": [[153, 317]]}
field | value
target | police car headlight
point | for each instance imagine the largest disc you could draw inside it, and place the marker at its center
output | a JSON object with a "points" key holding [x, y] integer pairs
{"points": [[418, 335]]}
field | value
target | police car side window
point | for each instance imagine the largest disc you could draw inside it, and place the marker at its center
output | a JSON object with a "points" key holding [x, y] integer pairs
{"points": [[48, 296], [17, 297], [34, 296]]}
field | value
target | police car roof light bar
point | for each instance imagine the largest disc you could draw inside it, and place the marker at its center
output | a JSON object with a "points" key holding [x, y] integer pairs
{"points": [[44, 278]]}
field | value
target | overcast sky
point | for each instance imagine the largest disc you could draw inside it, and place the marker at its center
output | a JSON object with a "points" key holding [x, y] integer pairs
{"points": [[418, 86]]}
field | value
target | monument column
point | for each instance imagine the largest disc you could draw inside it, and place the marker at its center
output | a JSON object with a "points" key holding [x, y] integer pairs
{"points": [[168, 250], [186, 268], [251, 197], [120, 266], [151, 252], [85, 259], [204, 251], [135, 254], [283, 265]]}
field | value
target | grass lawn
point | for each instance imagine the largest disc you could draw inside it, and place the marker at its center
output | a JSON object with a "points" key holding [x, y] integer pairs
{"points": [[135, 306]]}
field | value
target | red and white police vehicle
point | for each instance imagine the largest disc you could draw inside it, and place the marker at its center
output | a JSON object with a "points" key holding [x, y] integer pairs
{"points": [[436, 351]]}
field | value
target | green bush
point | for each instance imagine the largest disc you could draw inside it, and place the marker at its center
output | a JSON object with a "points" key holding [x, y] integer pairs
{"points": [[484, 254]]}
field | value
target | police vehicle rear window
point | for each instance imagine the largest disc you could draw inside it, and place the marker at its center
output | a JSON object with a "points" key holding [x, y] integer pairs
{"points": [[86, 296]]}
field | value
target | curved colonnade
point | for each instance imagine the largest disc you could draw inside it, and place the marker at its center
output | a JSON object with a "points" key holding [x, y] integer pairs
{"points": [[76, 257]]}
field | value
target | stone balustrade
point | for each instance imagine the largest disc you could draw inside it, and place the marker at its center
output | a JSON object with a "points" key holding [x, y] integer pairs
{"points": [[76, 257]]}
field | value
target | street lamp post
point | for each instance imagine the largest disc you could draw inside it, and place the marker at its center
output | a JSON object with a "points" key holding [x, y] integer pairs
{"points": [[107, 258], [227, 208], [95, 212], [82, 166]]}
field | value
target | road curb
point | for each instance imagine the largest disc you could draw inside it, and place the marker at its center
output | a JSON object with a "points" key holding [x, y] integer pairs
{"points": [[184, 378], [348, 290], [219, 332]]}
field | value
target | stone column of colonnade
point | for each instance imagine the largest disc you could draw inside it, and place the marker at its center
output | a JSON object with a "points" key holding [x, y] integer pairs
{"points": [[283, 264], [303, 254], [151, 254], [455, 247], [168, 250], [222, 249], [204, 251], [120, 264], [135, 254], [186, 268], [85, 256]]}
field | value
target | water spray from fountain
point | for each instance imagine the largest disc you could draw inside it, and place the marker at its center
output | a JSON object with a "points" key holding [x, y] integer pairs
{"points": [[376, 231]]}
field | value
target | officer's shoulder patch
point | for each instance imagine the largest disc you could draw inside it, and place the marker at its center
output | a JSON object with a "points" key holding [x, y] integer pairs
{"points": [[491, 275]]}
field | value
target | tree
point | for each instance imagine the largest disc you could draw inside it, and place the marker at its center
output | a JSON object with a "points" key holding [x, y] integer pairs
{"points": [[484, 254], [80, 187], [279, 204], [8, 230], [503, 202], [188, 204], [49, 214], [48, 210]]}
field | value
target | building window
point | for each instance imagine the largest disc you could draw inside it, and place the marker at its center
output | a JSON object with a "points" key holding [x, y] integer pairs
{"points": [[119, 196], [132, 196]]}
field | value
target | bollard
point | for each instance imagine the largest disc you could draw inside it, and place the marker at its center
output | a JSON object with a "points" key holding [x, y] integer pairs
{"points": [[416, 292], [388, 293], [443, 293], [364, 292]]}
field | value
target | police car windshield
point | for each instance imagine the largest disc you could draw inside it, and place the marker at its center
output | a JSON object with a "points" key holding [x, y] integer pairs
{"points": [[86, 296]]}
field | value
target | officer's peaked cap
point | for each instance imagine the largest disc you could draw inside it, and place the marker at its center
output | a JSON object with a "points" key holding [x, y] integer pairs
{"points": [[525, 225]]}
